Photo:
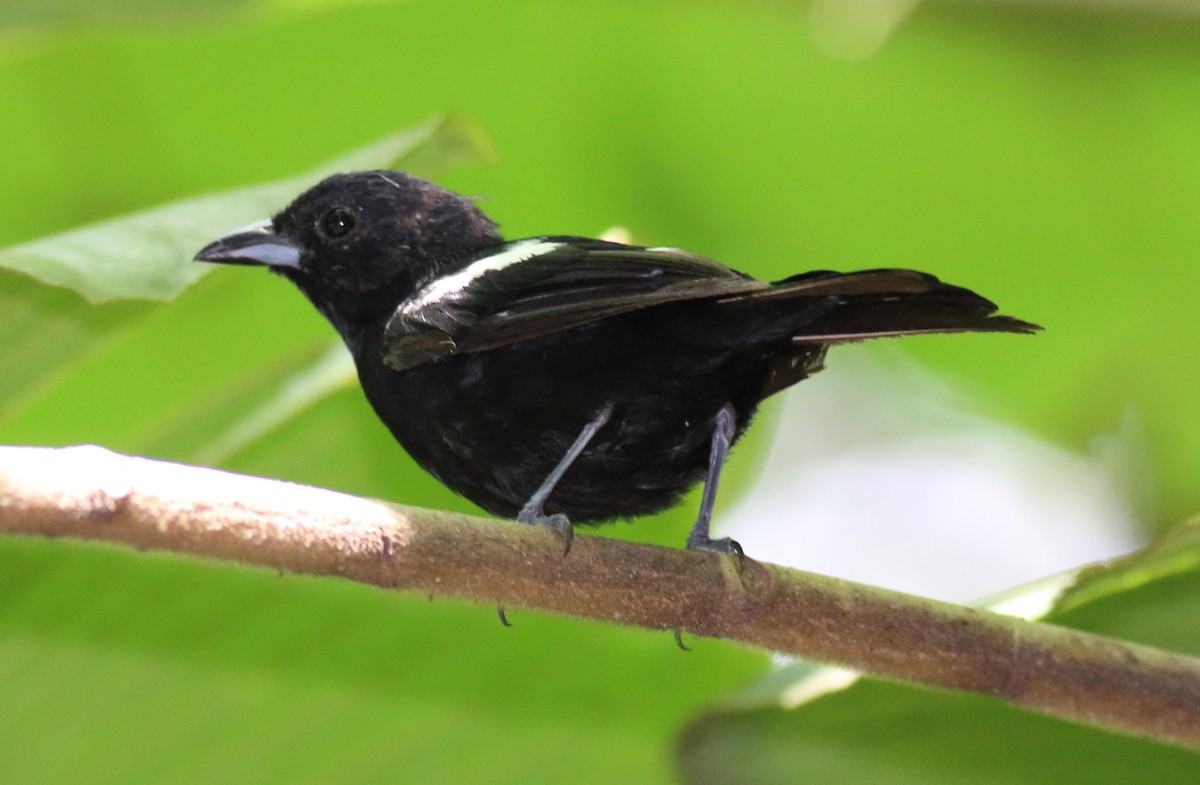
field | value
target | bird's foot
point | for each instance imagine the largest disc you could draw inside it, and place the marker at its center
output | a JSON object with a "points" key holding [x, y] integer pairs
{"points": [[723, 545], [557, 522], [700, 542]]}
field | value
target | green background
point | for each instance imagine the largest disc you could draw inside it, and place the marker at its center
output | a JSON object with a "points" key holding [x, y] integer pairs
{"points": [[1046, 157]]}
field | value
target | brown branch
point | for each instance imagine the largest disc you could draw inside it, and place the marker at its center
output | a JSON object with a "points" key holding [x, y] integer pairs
{"points": [[94, 494]]}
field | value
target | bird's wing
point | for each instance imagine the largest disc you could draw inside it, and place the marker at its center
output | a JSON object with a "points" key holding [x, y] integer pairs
{"points": [[531, 288], [540, 286]]}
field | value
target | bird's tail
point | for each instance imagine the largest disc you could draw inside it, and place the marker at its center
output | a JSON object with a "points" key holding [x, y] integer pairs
{"points": [[885, 303]]}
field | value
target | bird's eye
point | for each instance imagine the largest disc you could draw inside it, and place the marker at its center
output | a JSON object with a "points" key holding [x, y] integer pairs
{"points": [[338, 222]]}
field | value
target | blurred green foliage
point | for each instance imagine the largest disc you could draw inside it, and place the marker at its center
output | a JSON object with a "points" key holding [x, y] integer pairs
{"points": [[1047, 158], [810, 721]]}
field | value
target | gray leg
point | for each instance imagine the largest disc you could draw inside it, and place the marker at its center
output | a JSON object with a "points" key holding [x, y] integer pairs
{"points": [[532, 512], [724, 427]]}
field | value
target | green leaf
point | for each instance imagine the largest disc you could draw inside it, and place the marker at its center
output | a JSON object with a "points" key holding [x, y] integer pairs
{"points": [[177, 670], [44, 331], [148, 255], [1175, 553], [121, 264], [248, 407]]}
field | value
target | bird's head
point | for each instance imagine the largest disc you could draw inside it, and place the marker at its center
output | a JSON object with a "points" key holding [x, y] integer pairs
{"points": [[357, 244]]}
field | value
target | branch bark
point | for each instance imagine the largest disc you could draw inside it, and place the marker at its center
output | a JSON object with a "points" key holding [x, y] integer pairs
{"points": [[94, 494]]}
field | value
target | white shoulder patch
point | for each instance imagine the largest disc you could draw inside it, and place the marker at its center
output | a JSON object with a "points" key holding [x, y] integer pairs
{"points": [[441, 288]]}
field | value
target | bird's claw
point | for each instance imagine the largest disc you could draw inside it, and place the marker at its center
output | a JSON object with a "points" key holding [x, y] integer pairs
{"points": [[557, 522], [721, 545]]}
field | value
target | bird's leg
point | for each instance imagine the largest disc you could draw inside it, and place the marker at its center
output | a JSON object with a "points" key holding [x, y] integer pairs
{"points": [[724, 427], [532, 512]]}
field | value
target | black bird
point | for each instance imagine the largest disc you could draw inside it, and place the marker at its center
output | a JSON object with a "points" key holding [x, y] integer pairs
{"points": [[560, 379]]}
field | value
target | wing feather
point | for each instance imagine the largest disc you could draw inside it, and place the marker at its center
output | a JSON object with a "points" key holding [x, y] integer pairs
{"points": [[537, 287], [540, 286]]}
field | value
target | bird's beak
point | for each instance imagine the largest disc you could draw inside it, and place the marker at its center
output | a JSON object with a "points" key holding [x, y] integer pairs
{"points": [[254, 244]]}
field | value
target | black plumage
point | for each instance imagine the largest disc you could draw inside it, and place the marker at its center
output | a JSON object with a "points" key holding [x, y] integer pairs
{"points": [[493, 362]]}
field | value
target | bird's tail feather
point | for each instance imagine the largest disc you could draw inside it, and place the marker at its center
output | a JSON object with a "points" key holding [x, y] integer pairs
{"points": [[886, 303]]}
